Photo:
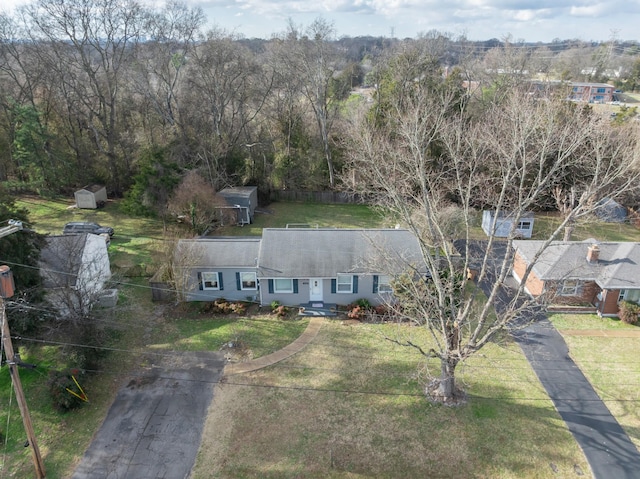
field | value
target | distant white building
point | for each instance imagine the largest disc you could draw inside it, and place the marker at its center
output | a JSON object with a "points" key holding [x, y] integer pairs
{"points": [[91, 196], [502, 225]]}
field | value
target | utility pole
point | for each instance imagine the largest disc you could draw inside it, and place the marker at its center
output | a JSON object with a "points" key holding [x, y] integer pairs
{"points": [[6, 291]]}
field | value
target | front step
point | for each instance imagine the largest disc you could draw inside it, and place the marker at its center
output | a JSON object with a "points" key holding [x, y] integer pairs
{"points": [[318, 308]]}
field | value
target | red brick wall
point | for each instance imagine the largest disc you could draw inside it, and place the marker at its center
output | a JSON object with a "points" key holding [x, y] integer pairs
{"points": [[609, 303], [534, 285]]}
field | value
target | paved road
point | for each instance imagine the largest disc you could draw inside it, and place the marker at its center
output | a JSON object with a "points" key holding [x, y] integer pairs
{"points": [[606, 446], [154, 426]]}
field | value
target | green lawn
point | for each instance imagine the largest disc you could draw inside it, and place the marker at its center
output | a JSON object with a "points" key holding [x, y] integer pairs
{"points": [[279, 215], [137, 241], [610, 363], [546, 223], [259, 333], [350, 405]]}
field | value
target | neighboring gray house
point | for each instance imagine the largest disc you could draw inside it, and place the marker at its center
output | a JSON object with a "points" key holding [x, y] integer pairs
{"points": [[91, 196], [74, 270], [610, 211], [209, 268], [244, 199], [298, 266], [502, 224]]}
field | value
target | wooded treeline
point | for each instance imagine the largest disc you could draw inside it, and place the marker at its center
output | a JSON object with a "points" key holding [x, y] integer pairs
{"points": [[114, 92]]}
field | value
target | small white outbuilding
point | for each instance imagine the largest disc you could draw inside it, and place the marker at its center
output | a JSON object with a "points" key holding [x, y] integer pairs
{"points": [[502, 225], [91, 197]]}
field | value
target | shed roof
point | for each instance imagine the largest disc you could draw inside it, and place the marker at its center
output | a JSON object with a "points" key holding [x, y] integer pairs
{"points": [[323, 253], [92, 188], [510, 215], [218, 252], [618, 265], [238, 191]]}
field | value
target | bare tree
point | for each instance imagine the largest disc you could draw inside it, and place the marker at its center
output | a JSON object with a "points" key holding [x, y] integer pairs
{"points": [[90, 44], [429, 166], [311, 56], [162, 62], [196, 200]]}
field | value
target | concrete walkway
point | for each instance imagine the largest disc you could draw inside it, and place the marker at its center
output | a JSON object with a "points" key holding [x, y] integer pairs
{"points": [[305, 338]]}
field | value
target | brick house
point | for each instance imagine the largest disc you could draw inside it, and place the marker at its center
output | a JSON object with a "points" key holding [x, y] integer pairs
{"points": [[575, 272], [591, 92]]}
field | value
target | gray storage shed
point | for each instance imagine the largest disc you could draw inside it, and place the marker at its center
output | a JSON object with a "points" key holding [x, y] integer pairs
{"points": [[91, 197], [244, 199]]}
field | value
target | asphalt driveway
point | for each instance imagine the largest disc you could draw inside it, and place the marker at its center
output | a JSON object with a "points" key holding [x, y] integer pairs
{"points": [[154, 426], [607, 448]]}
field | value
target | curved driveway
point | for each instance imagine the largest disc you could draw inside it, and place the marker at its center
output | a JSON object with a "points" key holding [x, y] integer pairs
{"points": [[606, 446]]}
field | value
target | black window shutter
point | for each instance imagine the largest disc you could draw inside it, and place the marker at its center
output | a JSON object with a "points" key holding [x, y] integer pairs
{"points": [[375, 283], [200, 281], [220, 283], [295, 286], [238, 285], [270, 286], [334, 285], [355, 284]]}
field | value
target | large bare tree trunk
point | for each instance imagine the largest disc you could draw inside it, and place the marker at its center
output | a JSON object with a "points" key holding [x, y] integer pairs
{"points": [[447, 390]]}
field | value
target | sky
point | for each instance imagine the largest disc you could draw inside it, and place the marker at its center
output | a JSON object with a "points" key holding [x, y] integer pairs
{"points": [[528, 20]]}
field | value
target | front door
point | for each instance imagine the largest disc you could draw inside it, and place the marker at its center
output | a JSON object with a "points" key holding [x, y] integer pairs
{"points": [[315, 289]]}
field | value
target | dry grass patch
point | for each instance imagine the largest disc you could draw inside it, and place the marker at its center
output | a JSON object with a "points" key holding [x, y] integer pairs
{"points": [[350, 405]]}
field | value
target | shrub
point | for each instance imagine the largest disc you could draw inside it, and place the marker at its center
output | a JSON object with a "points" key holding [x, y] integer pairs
{"points": [[222, 306], [629, 312], [239, 308], [280, 311], [363, 303], [58, 383], [356, 312], [274, 304]]}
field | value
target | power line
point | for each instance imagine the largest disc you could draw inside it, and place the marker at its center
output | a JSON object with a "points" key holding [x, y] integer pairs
{"points": [[339, 371]]}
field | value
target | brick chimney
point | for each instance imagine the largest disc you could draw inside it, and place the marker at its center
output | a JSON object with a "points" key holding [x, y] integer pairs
{"points": [[593, 253]]}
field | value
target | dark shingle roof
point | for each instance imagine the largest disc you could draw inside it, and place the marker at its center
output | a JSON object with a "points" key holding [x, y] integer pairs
{"points": [[304, 252], [618, 266], [218, 252]]}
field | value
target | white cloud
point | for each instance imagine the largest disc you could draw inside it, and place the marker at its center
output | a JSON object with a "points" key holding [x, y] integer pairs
{"points": [[531, 20]]}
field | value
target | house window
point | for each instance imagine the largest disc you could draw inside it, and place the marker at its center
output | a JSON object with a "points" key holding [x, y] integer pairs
{"points": [[210, 280], [524, 225], [632, 295], [601, 90], [570, 287], [345, 283], [282, 285], [384, 284], [248, 281]]}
